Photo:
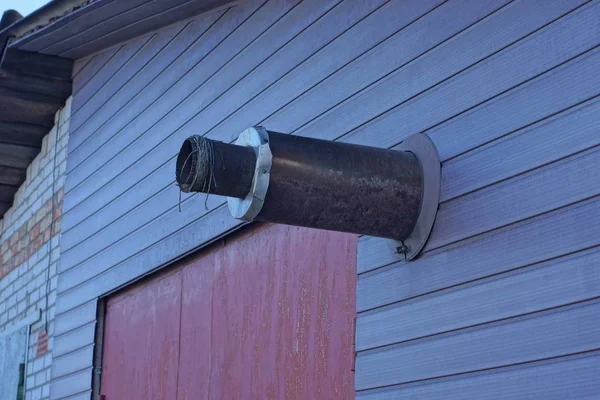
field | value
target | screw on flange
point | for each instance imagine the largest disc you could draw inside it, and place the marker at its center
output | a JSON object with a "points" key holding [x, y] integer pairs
{"points": [[402, 249]]}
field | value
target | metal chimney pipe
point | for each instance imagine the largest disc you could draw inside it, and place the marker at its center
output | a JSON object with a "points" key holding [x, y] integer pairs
{"points": [[294, 180]]}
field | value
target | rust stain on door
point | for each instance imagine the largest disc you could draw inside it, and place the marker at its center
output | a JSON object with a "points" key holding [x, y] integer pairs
{"points": [[268, 316]]}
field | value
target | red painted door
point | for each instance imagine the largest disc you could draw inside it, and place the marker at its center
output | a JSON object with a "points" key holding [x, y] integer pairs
{"points": [[267, 316]]}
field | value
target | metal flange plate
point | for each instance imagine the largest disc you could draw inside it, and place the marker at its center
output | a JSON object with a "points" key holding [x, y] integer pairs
{"points": [[424, 149], [248, 208]]}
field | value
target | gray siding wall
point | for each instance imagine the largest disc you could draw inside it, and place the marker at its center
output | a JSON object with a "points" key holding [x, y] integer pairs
{"points": [[502, 304]]}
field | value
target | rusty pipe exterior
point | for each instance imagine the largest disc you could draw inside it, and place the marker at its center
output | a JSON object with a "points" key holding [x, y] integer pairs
{"points": [[293, 180]]}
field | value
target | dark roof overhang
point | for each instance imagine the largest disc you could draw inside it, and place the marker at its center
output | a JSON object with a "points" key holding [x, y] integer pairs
{"points": [[32, 88], [36, 64]]}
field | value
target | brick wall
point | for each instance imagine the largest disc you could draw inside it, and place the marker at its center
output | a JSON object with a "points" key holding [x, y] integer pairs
{"points": [[29, 252]]}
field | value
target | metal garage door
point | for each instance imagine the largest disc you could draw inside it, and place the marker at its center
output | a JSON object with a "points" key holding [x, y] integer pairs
{"points": [[266, 315]]}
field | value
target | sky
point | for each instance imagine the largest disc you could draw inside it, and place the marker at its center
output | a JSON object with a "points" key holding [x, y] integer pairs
{"points": [[25, 7]]}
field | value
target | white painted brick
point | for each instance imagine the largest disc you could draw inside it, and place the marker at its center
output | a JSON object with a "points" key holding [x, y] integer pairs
{"points": [[36, 394], [52, 136], [52, 298], [31, 286], [54, 256], [30, 381], [46, 173], [51, 313], [39, 267], [55, 241], [60, 182], [22, 292], [34, 296], [53, 283], [37, 204], [23, 268], [38, 363], [40, 378], [46, 195], [17, 196], [41, 304], [8, 290], [53, 268], [42, 290], [62, 156], [46, 390], [62, 167], [42, 253], [21, 306], [31, 309], [40, 280], [32, 345]]}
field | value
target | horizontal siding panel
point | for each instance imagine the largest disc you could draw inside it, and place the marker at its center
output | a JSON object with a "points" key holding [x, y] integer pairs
{"points": [[194, 235], [193, 93], [529, 195], [523, 197], [541, 190], [517, 232], [74, 384], [563, 231], [560, 332], [394, 53], [563, 378], [124, 214], [543, 143], [316, 34], [576, 81], [80, 64], [72, 362], [374, 252], [91, 69], [565, 280], [85, 109], [461, 52], [167, 175], [166, 171], [74, 339], [344, 24], [77, 317], [192, 209], [521, 61], [146, 107], [112, 67], [194, 40], [358, 42]]}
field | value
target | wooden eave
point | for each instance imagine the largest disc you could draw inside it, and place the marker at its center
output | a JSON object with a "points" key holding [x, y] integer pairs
{"points": [[33, 87]]}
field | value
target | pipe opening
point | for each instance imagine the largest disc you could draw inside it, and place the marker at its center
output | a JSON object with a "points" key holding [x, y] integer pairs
{"points": [[188, 173], [214, 167]]}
